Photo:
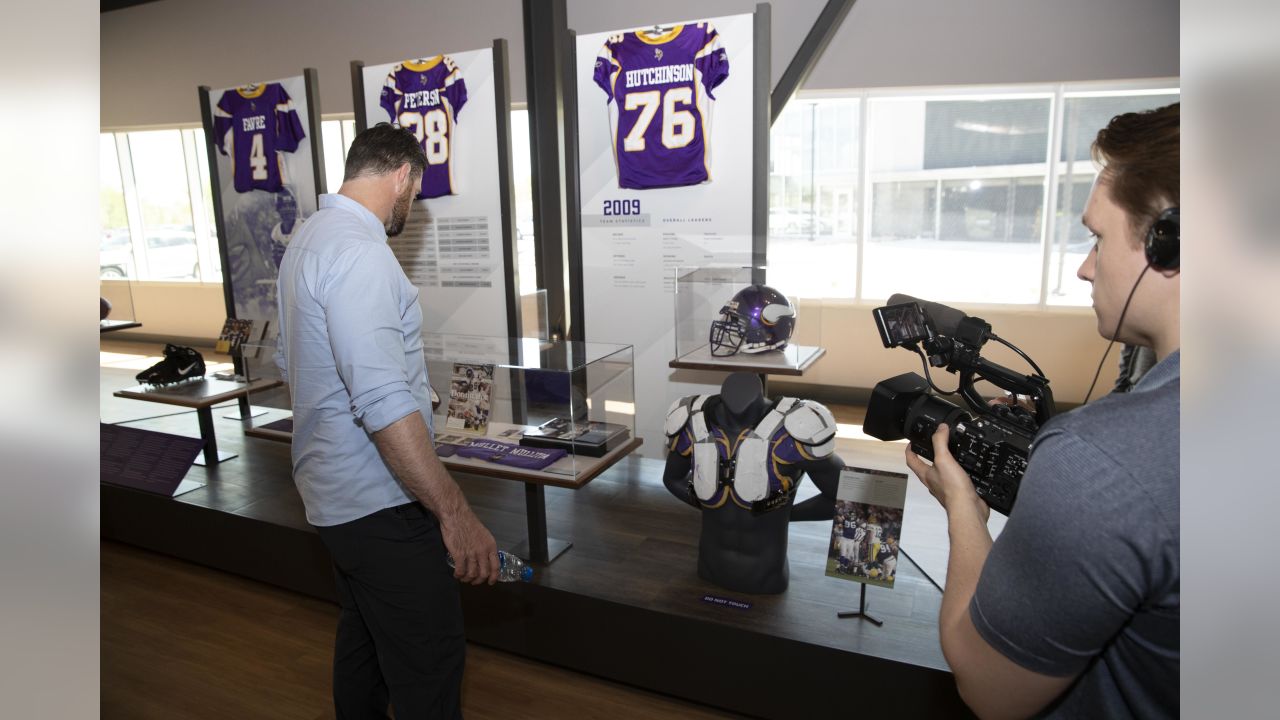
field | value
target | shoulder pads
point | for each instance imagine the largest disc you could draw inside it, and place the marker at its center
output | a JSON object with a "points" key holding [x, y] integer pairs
{"points": [[678, 415], [811, 423]]}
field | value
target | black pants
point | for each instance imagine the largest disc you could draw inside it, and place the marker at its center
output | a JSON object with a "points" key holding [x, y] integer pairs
{"points": [[400, 635]]}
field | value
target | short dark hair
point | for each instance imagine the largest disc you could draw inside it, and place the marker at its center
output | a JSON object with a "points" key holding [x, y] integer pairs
{"points": [[1139, 153], [382, 149]]}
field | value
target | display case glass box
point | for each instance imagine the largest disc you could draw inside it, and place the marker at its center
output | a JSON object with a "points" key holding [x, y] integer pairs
{"points": [[703, 292], [555, 413], [521, 408]]}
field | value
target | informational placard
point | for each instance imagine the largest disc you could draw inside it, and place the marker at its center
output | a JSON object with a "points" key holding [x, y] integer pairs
{"points": [[868, 526], [666, 167], [451, 247], [145, 460], [264, 170]]}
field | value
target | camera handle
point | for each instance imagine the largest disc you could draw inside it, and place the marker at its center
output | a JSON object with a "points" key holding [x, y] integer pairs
{"points": [[1032, 385]]}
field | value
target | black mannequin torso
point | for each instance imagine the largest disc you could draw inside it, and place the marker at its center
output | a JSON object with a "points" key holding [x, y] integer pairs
{"points": [[740, 549]]}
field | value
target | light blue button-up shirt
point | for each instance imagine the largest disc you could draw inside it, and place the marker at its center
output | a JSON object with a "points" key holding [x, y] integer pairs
{"points": [[351, 349]]}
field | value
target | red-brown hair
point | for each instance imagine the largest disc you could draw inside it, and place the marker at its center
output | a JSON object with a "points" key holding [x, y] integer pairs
{"points": [[1139, 154]]}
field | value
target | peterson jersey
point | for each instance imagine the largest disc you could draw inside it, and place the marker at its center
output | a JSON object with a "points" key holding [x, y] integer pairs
{"points": [[258, 123], [426, 97], [659, 97]]}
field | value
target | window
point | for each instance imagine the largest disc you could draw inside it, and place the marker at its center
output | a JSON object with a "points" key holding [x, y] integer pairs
{"points": [[1083, 114], [957, 191], [813, 197], [337, 136], [115, 250], [156, 215], [940, 195]]}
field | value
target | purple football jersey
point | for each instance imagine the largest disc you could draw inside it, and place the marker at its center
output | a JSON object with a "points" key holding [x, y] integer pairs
{"points": [[426, 98], [517, 456], [258, 123], [659, 88]]}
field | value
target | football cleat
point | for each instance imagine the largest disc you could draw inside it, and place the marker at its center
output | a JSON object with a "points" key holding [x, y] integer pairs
{"points": [[179, 364]]}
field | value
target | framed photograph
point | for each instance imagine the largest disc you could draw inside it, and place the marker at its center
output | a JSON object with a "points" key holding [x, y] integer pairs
{"points": [[867, 530], [470, 398], [234, 334]]}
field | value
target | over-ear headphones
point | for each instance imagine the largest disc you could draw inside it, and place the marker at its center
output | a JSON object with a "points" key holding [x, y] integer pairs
{"points": [[1162, 241]]}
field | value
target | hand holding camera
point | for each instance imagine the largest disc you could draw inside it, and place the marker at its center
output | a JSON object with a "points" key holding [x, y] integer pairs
{"points": [[991, 442]]}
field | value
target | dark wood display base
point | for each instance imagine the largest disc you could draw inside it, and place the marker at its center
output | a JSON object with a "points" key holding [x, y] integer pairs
{"points": [[624, 603]]}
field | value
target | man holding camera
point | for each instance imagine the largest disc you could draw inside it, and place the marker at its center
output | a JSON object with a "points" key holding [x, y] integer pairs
{"points": [[1039, 622]]}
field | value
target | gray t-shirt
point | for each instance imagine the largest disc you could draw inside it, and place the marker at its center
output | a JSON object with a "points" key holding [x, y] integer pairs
{"points": [[1084, 577]]}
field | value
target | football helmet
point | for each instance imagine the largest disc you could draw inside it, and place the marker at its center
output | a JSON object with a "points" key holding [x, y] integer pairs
{"points": [[756, 319]]}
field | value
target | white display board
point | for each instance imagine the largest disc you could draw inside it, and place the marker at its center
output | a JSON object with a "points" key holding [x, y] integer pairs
{"points": [[451, 248], [633, 240], [259, 223]]}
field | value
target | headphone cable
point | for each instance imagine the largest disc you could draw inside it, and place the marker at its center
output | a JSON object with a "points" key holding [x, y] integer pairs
{"points": [[1116, 334]]}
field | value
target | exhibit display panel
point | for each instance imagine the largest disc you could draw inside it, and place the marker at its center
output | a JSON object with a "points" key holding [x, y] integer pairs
{"points": [[267, 172], [665, 118], [724, 319], [457, 247], [520, 408]]}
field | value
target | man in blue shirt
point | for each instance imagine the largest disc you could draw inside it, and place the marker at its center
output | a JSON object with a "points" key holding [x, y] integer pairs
{"points": [[1074, 610], [387, 510]]}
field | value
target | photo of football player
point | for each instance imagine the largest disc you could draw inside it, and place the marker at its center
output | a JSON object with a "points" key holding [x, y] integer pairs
{"points": [[470, 397], [864, 543]]}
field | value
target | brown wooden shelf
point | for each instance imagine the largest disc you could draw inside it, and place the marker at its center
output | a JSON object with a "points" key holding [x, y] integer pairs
{"points": [[586, 468], [202, 393]]}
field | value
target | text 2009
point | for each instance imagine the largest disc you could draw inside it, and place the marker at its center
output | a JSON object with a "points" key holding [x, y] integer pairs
{"points": [[622, 207]]}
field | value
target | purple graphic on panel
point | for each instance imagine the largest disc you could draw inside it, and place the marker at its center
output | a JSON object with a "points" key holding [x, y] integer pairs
{"points": [[659, 89], [425, 98], [511, 455], [258, 122]]}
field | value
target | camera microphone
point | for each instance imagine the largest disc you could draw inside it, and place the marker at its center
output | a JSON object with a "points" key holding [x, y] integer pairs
{"points": [[946, 320]]}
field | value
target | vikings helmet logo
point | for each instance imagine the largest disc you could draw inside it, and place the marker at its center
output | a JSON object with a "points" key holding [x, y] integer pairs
{"points": [[657, 53], [758, 318]]}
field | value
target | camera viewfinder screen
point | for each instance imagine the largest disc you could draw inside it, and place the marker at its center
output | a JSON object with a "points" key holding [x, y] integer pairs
{"points": [[901, 324]]}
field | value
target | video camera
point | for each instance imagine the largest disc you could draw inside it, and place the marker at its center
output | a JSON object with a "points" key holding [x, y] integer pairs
{"points": [[991, 442]]}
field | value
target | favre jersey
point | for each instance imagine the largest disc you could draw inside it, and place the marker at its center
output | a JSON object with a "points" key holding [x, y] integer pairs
{"points": [[659, 96], [258, 123], [425, 98]]}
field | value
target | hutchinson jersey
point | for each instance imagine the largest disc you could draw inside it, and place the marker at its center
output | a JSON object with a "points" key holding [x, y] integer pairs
{"points": [[258, 122], [425, 97], [659, 96]]}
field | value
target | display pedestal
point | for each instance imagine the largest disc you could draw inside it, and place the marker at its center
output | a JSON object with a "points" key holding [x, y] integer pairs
{"points": [[539, 548], [555, 548], [201, 395], [861, 612], [792, 360]]}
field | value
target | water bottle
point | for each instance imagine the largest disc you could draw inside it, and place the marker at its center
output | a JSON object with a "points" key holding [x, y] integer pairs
{"points": [[510, 567]]}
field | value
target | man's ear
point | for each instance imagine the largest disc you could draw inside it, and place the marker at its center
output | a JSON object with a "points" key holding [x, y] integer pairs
{"points": [[402, 177]]}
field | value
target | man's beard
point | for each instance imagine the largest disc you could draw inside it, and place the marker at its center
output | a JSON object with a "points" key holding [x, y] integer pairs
{"points": [[400, 213]]}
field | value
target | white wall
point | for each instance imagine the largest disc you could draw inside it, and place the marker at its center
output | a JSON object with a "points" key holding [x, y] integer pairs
{"points": [[167, 309], [155, 55]]}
